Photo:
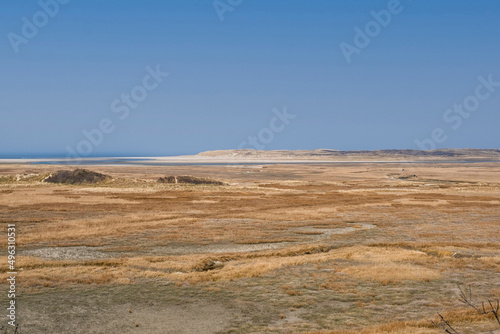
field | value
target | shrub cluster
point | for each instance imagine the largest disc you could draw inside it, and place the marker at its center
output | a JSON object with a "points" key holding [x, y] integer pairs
{"points": [[189, 180], [77, 176]]}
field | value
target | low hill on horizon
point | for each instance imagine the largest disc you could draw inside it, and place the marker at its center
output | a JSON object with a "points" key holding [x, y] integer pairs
{"points": [[328, 154]]}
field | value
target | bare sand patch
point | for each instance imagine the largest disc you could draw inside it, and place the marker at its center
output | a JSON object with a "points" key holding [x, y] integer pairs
{"points": [[65, 253]]}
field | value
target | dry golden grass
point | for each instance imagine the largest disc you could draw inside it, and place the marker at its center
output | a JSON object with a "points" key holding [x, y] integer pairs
{"points": [[391, 272], [372, 263], [457, 318], [296, 231]]}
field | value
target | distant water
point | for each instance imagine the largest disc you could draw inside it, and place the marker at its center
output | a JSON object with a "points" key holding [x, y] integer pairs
{"points": [[57, 159], [110, 161], [31, 156], [150, 162], [61, 157]]}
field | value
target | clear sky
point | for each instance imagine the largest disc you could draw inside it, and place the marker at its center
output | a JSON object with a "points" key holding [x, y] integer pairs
{"points": [[226, 76]]}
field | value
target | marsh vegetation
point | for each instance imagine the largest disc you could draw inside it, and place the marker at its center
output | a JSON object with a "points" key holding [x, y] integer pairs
{"points": [[270, 249]]}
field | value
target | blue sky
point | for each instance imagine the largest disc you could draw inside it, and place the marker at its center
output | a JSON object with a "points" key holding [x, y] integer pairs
{"points": [[227, 76]]}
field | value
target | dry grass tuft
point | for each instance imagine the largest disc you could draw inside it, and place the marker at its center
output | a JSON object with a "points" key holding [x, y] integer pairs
{"points": [[391, 272]]}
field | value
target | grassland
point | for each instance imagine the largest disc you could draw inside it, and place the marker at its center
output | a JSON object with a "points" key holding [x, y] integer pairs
{"points": [[318, 248]]}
